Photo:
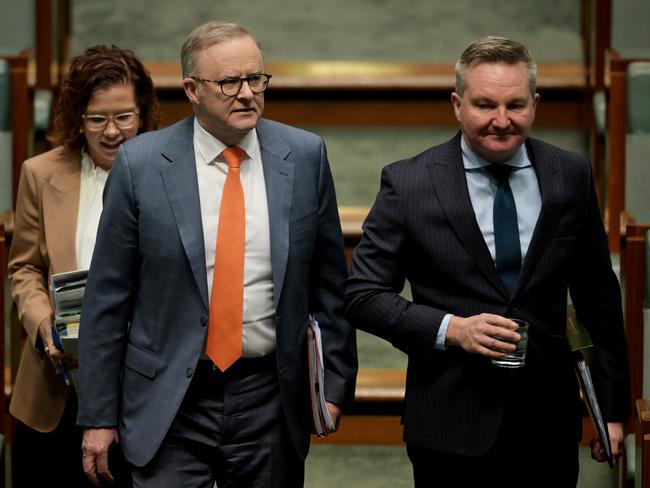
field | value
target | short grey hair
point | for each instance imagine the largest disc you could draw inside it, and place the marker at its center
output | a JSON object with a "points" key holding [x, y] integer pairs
{"points": [[207, 35], [494, 49]]}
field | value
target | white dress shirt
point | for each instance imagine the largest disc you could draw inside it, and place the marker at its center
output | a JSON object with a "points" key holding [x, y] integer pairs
{"points": [[91, 189], [258, 331]]}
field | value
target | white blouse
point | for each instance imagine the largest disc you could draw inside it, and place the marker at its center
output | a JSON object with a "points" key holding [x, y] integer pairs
{"points": [[93, 179]]}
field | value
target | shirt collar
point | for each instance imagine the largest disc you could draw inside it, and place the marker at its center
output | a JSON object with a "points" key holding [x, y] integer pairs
{"points": [[209, 147], [471, 160], [88, 166]]}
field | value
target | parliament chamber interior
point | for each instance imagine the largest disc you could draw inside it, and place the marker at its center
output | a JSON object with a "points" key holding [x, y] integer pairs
{"points": [[374, 80]]}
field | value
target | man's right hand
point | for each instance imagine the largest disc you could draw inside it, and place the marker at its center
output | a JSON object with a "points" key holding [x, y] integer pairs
{"points": [[95, 446], [486, 334]]}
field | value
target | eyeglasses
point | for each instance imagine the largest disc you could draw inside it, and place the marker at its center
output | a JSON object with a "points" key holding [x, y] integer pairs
{"points": [[123, 121], [257, 82]]}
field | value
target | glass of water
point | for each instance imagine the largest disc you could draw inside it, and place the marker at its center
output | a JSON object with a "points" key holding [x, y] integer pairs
{"points": [[516, 358]]}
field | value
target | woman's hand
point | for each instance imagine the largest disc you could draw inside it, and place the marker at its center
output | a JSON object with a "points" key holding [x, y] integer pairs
{"points": [[55, 355]]}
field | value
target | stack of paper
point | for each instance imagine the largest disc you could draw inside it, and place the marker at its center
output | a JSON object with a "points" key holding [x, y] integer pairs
{"points": [[67, 291], [323, 424]]}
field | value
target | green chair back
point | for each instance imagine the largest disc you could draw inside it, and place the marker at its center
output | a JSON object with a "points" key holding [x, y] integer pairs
{"points": [[638, 97]]}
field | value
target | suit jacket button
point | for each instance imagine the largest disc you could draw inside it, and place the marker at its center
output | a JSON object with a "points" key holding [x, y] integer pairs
{"points": [[204, 321], [189, 372]]}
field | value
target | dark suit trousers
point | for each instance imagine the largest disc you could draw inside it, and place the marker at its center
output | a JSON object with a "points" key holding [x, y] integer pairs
{"points": [[516, 460], [230, 429]]}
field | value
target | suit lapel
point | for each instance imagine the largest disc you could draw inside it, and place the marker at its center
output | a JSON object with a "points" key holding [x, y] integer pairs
{"points": [[60, 209], [278, 177], [178, 172], [449, 182], [546, 169]]}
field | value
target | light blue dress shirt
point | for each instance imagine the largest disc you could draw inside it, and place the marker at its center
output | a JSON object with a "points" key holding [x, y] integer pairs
{"points": [[482, 187]]}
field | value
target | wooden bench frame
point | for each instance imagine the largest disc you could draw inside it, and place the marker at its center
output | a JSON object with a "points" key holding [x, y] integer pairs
{"points": [[616, 79], [9, 364], [642, 445], [346, 94], [4, 380], [20, 117], [633, 263]]}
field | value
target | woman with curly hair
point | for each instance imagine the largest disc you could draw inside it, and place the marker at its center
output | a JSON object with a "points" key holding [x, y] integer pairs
{"points": [[106, 98]]}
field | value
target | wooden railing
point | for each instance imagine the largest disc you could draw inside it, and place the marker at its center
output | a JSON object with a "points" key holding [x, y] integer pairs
{"points": [[345, 94]]}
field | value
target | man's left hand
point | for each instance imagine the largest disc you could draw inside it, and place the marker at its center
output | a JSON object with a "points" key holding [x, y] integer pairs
{"points": [[616, 436], [95, 446], [335, 413]]}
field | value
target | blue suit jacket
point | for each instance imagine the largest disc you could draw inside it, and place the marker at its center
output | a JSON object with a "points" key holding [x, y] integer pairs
{"points": [[146, 303], [422, 229]]}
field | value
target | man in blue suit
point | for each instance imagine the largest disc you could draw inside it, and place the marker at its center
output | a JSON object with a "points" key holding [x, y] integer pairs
{"points": [[148, 380], [480, 245]]}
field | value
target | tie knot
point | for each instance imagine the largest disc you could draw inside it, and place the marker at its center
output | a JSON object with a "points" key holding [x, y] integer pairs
{"points": [[234, 156], [500, 171]]}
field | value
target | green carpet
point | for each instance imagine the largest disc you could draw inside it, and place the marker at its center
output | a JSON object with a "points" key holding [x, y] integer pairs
{"points": [[389, 467]]}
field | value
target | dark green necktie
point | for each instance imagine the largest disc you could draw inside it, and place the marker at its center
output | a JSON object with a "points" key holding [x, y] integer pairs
{"points": [[506, 230]]}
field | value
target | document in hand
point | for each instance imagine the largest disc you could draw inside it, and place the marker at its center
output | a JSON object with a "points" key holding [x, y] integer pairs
{"points": [[323, 424], [67, 291], [579, 341]]}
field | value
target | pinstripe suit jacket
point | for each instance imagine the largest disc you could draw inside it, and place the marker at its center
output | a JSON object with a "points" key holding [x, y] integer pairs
{"points": [[422, 229], [146, 303]]}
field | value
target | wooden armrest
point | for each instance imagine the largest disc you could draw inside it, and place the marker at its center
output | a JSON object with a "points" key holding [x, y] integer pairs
{"points": [[352, 220], [380, 385], [642, 410], [7, 220]]}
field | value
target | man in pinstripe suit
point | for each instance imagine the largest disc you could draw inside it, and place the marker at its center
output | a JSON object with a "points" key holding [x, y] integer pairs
{"points": [[467, 421]]}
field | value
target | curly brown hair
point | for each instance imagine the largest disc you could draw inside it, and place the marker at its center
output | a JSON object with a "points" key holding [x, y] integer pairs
{"points": [[100, 67]]}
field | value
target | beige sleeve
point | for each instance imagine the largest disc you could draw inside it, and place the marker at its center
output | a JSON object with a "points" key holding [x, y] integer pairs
{"points": [[28, 262]]}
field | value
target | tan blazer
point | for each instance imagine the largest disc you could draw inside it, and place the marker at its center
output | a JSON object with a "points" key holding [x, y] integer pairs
{"points": [[43, 244]]}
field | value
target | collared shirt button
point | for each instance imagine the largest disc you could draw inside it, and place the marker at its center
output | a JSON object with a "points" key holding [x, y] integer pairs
{"points": [[189, 372], [204, 321]]}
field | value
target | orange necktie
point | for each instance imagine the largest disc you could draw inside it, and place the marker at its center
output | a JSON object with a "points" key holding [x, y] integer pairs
{"points": [[227, 300]]}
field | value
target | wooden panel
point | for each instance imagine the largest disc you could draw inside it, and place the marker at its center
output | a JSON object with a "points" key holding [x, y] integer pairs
{"points": [[601, 41], [44, 37], [366, 429], [346, 110], [379, 94]]}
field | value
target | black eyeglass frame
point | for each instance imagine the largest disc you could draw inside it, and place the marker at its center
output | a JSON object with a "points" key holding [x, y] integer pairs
{"points": [[267, 77]]}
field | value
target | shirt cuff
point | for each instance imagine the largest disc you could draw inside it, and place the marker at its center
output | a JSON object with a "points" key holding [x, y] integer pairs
{"points": [[442, 332]]}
